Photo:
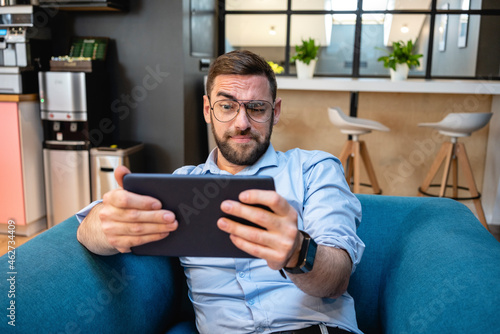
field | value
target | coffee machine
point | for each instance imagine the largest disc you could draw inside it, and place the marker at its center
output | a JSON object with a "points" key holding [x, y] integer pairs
{"points": [[24, 49]]}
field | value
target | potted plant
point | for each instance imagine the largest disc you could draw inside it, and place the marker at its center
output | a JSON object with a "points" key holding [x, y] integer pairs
{"points": [[400, 60], [305, 58]]}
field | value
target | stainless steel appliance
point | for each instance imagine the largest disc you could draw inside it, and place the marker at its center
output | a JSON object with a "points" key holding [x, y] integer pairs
{"points": [[24, 49], [74, 107], [104, 160], [67, 178]]}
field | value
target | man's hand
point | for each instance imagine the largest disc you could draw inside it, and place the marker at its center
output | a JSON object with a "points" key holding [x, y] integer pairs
{"points": [[124, 220], [280, 243]]}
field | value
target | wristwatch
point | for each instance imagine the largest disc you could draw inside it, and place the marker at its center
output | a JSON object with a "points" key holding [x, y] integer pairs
{"points": [[306, 256]]}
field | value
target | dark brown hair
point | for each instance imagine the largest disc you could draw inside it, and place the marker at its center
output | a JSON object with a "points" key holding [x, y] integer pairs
{"points": [[241, 62]]}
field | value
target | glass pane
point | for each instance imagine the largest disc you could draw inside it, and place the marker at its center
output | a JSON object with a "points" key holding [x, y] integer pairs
{"points": [[256, 5], [460, 4], [202, 5], [460, 50], [203, 25], [396, 4], [262, 34], [324, 4], [378, 32], [335, 36]]}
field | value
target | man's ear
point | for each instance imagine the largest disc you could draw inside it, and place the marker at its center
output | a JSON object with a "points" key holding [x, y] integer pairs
{"points": [[206, 108], [277, 110]]}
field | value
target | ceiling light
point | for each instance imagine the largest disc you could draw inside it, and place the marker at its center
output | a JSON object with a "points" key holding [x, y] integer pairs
{"points": [[405, 29], [272, 31]]}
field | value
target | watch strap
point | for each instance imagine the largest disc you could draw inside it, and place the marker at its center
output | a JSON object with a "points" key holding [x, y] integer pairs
{"points": [[307, 255]]}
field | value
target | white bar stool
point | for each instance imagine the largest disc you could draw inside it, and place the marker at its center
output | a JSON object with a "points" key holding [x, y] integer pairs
{"points": [[355, 150], [453, 155]]}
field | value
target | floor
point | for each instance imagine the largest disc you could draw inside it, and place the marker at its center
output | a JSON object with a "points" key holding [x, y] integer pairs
{"points": [[14, 242], [494, 229]]}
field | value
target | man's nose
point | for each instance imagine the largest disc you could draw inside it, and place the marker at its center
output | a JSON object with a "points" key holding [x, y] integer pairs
{"points": [[242, 121]]}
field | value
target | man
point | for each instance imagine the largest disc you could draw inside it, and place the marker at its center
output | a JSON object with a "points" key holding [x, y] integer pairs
{"points": [[311, 231]]}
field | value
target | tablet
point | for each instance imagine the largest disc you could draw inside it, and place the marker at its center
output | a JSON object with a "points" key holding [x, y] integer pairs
{"points": [[195, 200]]}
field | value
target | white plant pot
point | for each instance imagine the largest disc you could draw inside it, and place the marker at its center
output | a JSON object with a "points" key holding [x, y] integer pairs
{"points": [[305, 71], [401, 72]]}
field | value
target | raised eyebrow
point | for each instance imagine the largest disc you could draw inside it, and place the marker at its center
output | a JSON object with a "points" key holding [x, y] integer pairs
{"points": [[226, 95]]}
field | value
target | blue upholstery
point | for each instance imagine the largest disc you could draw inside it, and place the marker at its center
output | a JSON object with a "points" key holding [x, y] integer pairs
{"points": [[429, 267]]}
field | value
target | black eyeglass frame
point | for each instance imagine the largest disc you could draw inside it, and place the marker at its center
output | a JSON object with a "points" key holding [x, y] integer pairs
{"points": [[241, 102]]}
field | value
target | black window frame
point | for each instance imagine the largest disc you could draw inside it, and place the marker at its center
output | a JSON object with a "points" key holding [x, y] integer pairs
{"points": [[432, 12]]}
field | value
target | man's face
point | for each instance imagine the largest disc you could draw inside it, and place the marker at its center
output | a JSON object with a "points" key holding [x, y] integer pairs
{"points": [[241, 141]]}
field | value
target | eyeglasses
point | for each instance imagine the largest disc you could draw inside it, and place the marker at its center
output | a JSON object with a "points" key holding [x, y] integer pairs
{"points": [[257, 110]]}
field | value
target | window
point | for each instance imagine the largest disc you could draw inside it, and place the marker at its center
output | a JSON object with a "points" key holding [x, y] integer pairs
{"points": [[456, 37]]}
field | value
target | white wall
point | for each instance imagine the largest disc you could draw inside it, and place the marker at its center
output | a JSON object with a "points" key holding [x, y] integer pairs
{"points": [[491, 185]]}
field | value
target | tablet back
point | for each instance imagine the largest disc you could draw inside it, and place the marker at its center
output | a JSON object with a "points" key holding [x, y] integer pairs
{"points": [[195, 200]]}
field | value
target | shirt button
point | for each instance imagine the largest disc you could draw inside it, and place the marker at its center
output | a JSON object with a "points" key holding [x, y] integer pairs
{"points": [[260, 329], [242, 274], [251, 302]]}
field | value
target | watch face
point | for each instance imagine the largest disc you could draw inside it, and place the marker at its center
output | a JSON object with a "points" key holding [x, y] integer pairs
{"points": [[310, 256]]}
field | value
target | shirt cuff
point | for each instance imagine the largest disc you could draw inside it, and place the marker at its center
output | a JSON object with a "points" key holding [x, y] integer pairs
{"points": [[80, 215]]}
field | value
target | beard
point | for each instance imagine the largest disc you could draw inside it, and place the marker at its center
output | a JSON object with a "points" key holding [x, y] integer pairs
{"points": [[243, 154]]}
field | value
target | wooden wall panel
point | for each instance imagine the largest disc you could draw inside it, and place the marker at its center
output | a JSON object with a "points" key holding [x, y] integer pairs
{"points": [[401, 157]]}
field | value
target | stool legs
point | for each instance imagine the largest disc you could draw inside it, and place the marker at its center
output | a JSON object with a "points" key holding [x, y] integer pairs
{"points": [[369, 168], [469, 178], [344, 158], [453, 155], [357, 165], [346, 153], [445, 151], [351, 155]]}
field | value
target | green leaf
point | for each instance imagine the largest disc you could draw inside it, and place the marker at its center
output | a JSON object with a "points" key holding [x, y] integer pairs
{"points": [[306, 52], [402, 53]]}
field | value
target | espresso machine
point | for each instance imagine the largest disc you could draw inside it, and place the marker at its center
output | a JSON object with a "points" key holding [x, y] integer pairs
{"points": [[24, 49]]}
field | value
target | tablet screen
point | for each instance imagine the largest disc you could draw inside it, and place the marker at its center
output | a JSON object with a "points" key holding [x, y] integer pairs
{"points": [[195, 200]]}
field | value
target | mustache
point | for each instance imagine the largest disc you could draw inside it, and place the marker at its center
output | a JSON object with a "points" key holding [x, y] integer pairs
{"points": [[242, 133]]}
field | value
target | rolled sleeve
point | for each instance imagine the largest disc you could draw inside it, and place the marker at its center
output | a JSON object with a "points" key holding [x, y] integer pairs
{"points": [[331, 211], [80, 215]]}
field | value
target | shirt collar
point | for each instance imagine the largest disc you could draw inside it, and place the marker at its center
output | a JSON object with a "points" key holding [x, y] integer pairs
{"points": [[268, 159]]}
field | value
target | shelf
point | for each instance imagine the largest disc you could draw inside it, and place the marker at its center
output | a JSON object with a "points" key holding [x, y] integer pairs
{"points": [[108, 6], [18, 97], [388, 86]]}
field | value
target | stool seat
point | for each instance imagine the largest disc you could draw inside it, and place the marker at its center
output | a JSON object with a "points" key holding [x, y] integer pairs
{"points": [[460, 124], [353, 125]]}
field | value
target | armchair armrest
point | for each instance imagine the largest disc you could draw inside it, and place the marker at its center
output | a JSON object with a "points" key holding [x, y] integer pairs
{"points": [[61, 287], [429, 267]]}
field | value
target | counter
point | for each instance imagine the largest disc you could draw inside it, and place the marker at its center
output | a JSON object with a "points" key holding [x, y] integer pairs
{"points": [[18, 98], [388, 86]]}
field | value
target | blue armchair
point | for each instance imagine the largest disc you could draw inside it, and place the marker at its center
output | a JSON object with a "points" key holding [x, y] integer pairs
{"points": [[429, 267]]}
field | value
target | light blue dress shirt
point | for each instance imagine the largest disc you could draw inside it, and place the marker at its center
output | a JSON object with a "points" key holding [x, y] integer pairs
{"points": [[246, 296]]}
